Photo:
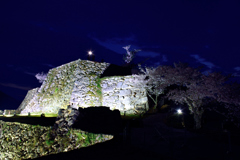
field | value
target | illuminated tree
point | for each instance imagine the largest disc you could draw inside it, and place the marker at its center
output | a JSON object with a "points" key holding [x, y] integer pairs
{"points": [[130, 54], [186, 85], [41, 77], [229, 96], [196, 89], [154, 85]]}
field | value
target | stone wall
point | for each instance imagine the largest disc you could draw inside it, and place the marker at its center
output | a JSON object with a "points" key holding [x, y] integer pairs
{"points": [[78, 84], [28, 98], [9, 112], [56, 91], [121, 93], [86, 92], [23, 141]]}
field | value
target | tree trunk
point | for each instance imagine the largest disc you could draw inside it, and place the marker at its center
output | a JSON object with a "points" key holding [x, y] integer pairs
{"points": [[197, 114], [155, 106], [198, 120]]}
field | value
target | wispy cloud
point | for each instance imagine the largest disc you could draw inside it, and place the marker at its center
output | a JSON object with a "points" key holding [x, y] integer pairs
{"points": [[29, 73], [164, 58], [206, 72], [117, 44], [49, 65], [203, 61], [22, 69], [237, 68], [11, 85], [236, 74], [148, 54]]}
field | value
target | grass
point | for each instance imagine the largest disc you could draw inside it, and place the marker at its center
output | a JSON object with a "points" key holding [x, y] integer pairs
{"points": [[133, 116], [31, 115]]}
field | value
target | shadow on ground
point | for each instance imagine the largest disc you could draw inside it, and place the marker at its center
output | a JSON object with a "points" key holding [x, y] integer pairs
{"points": [[113, 149]]}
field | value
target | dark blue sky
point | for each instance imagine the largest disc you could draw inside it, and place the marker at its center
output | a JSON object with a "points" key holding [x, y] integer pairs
{"points": [[37, 35]]}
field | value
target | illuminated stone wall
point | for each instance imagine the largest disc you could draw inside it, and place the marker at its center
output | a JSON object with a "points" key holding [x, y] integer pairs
{"points": [[56, 91], [29, 97], [121, 93], [78, 83]]}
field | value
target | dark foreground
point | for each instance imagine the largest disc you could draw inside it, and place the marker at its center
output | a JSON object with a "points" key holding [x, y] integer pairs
{"points": [[112, 150], [155, 140]]}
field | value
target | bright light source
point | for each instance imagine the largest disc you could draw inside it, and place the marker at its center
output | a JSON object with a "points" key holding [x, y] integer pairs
{"points": [[90, 53], [179, 111]]}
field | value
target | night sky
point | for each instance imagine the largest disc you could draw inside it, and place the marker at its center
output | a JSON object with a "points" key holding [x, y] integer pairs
{"points": [[37, 35]]}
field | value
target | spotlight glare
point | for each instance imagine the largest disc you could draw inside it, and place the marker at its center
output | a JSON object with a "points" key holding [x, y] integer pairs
{"points": [[90, 53], [179, 111]]}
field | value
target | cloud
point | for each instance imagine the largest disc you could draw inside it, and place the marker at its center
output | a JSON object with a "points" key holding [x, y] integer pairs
{"points": [[203, 61], [23, 69], [32, 74], [206, 72], [236, 74], [49, 65], [164, 58], [117, 44], [16, 86], [156, 64], [237, 68], [147, 54]]}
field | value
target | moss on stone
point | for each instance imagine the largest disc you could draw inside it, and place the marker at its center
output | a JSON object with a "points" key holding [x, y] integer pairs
{"points": [[99, 88], [56, 90]]}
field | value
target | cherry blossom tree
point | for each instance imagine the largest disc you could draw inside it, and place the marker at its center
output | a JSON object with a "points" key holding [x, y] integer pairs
{"points": [[154, 83], [130, 54], [189, 86], [196, 95], [229, 96]]}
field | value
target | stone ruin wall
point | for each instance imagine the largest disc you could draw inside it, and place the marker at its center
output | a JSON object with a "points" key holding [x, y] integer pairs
{"points": [[28, 98], [78, 83], [121, 93], [25, 141], [56, 90]]}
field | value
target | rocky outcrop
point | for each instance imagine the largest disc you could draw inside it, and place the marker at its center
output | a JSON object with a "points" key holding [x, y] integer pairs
{"points": [[80, 84], [23, 141], [92, 119], [99, 120], [64, 120]]}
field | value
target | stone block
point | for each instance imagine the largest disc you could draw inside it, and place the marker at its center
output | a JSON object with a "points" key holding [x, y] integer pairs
{"points": [[9, 112], [142, 100], [125, 92], [119, 85], [108, 89]]}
